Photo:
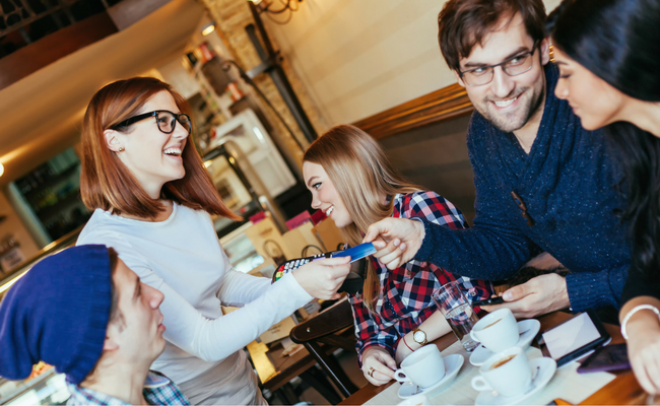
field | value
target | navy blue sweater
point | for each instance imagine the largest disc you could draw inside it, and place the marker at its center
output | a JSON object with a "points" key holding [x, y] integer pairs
{"points": [[568, 184]]}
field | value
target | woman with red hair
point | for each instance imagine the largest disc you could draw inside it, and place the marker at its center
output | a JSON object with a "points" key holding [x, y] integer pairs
{"points": [[152, 200]]}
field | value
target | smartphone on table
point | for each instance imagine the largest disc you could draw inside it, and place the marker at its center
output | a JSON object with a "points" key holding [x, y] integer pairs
{"points": [[487, 302], [609, 358], [573, 338]]}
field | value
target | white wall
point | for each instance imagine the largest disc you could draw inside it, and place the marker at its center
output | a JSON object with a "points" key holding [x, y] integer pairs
{"points": [[360, 57]]}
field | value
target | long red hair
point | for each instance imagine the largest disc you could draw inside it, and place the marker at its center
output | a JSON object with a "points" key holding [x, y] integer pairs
{"points": [[106, 183]]}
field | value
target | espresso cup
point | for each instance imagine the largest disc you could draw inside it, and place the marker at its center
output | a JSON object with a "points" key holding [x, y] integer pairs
{"points": [[424, 367], [506, 372], [497, 331]]}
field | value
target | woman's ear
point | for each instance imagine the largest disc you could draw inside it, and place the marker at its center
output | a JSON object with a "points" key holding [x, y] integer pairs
{"points": [[112, 140], [544, 47]]}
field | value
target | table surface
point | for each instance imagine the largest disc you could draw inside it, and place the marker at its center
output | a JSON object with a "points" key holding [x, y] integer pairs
{"points": [[623, 390]]}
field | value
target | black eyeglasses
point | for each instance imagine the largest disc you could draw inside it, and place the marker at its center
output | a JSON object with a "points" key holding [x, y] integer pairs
{"points": [[165, 120], [483, 75]]}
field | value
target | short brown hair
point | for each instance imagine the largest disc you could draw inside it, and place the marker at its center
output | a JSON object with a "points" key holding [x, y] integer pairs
{"points": [[105, 181], [463, 23]]}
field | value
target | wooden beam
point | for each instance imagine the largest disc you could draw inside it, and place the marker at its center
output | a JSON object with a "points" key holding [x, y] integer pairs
{"points": [[50, 48], [443, 104], [128, 12]]}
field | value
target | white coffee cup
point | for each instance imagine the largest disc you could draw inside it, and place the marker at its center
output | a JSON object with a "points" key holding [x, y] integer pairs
{"points": [[497, 331], [417, 400], [424, 367], [507, 372]]}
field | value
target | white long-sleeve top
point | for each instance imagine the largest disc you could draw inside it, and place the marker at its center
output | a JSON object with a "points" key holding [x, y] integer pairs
{"points": [[182, 258]]}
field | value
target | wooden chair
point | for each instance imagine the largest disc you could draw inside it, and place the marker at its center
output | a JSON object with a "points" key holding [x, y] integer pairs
{"points": [[324, 333]]}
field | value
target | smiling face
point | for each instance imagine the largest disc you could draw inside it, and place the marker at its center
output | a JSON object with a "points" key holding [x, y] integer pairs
{"points": [[135, 335], [595, 101], [508, 102], [153, 157], [324, 194]]}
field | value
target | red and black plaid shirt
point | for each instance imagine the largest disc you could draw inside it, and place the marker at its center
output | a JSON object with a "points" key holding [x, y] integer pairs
{"points": [[406, 293]]}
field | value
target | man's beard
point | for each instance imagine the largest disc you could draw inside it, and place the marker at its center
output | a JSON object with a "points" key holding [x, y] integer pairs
{"points": [[516, 120]]}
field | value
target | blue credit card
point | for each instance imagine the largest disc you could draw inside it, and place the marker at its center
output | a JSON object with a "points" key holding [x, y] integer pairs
{"points": [[357, 253]]}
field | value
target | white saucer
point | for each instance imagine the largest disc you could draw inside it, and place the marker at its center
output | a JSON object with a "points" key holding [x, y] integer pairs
{"points": [[543, 370], [453, 364], [528, 329]]}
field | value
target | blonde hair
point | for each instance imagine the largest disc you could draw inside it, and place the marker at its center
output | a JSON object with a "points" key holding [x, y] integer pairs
{"points": [[361, 174]]}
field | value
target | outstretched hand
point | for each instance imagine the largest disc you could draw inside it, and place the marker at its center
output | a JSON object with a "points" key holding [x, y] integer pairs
{"points": [[322, 278], [396, 239]]}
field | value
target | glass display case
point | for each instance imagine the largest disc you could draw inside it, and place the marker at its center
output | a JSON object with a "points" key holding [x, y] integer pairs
{"points": [[43, 387], [52, 193], [240, 250]]}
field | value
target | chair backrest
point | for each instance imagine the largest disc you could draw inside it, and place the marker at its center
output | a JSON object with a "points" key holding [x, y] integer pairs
{"points": [[335, 318], [333, 328]]}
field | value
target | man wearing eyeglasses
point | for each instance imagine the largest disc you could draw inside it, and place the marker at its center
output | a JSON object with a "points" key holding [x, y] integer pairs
{"points": [[543, 183]]}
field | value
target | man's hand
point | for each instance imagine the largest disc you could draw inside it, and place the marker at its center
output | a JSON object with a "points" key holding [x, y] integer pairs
{"points": [[540, 295], [396, 239], [378, 365]]}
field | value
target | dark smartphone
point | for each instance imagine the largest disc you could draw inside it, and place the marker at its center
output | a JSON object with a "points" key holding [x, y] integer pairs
{"points": [[609, 358], [487, 302]]}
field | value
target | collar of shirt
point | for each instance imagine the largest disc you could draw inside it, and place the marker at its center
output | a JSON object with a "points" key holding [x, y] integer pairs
{"points": [[158, 390]]}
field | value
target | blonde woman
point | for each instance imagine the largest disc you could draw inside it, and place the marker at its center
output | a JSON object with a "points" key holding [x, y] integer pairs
{"points": [[353, 182]]}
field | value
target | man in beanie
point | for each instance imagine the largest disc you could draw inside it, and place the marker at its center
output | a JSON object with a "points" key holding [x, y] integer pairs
{"points": [[94, 321]]}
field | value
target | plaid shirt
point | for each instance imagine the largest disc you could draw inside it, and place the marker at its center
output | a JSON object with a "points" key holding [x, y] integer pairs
{"points": [[158, 390], [406, 293]]}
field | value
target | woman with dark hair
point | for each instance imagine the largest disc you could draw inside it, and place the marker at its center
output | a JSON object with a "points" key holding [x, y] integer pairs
{"points": [[608, 52], [152, 200]]}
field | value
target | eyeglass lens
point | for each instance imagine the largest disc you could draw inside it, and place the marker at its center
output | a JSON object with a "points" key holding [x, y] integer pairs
{"points": [[167, 121], [513, 67]]}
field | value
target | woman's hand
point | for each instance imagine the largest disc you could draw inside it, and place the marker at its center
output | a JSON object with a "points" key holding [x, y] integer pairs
{"points": [[396, 239], [643, 331], [644, 356], [322, 278], [378, 365]]}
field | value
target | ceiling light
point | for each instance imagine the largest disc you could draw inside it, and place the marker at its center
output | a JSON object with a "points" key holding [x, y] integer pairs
{"points": [[2, 169], [209, 28]]}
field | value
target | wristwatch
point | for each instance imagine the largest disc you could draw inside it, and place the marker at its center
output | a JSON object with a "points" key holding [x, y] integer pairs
{"points": [[419, 336]]}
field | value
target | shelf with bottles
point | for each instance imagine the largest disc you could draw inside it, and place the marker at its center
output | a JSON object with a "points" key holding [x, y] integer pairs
{"points": [[52, 193], [55, 170], [69, 215]]}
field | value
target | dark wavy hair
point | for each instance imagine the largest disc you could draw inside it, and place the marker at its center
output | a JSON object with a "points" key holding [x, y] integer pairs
{"points": [[619, 41]]}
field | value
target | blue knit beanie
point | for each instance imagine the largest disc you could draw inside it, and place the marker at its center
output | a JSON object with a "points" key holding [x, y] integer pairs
{"points": [[57, 313]]}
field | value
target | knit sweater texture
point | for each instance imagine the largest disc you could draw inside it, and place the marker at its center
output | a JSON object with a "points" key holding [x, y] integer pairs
{"points": [[569, 185]]}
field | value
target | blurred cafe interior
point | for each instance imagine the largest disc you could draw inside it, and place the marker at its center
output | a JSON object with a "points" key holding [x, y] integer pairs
{"points": [[264, 79]]}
